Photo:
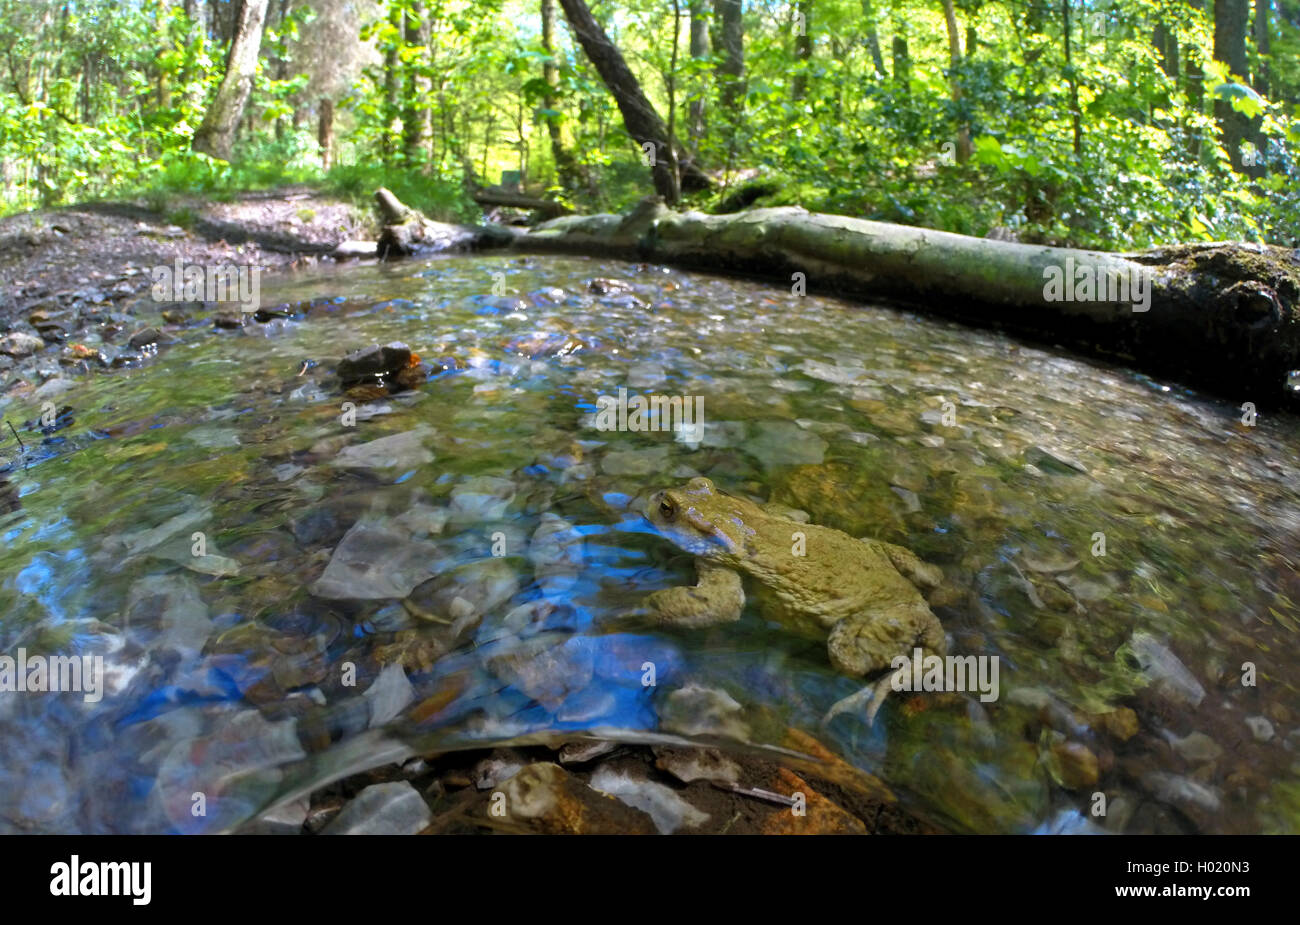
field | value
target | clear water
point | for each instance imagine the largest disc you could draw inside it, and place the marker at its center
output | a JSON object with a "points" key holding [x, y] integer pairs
{"points": [[239, 675]]}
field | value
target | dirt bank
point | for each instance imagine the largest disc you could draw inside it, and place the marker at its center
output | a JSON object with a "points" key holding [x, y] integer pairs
{"points": [[98, 255]]}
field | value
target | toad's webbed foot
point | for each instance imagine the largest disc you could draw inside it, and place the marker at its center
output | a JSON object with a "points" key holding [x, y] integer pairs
{"points": [[871, 698]]}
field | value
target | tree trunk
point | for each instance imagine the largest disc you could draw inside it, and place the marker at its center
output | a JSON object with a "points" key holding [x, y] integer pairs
{"points": [[1076, 117], [1194, 87], [729, 37], [221, 30], [392, 94], [802, 48], [902, 62], [1263, 44], [699, 51], [671, 82], [280, 65], [325, 133], [417, 117], [1193, 77], [873, 38], [407, 231], [216, 135], [1230, 48], [546, 208], [1162, 40], [566, 167], [1223, 316], [640, 118], [954, 80]]}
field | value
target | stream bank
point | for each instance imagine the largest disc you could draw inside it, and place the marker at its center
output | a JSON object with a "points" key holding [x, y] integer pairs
{"points": [[78, 275]]}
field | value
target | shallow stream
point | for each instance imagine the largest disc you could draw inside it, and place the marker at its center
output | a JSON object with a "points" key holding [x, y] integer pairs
{"points": [[269, 587]]}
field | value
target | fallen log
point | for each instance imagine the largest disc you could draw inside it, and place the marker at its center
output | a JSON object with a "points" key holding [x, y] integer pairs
{"points": [[546, 208], [1223, 316], [408, 232]]}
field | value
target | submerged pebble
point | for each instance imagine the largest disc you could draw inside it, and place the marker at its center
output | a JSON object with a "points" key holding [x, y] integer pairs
{"points": [[382, 809]]}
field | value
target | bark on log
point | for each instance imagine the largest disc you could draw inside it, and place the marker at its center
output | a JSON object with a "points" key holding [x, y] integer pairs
{"points": [[1225, 317]]}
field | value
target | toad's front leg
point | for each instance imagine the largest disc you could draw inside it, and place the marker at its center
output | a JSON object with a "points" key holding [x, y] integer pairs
{"points": [[925, 576], [716, 598]]}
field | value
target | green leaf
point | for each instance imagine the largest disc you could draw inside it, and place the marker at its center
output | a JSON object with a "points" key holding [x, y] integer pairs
{"points": [[1243, 98]]}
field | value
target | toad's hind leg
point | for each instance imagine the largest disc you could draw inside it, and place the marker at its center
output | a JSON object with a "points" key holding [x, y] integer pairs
{"points": [[866, 645], [717, 597]]}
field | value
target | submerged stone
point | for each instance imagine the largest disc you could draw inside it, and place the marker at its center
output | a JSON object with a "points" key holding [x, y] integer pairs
{"points": [[784, 443], [662, 804], [1167, 674], [19, 344], [400, 451], [373, 561], [394, 808], [372, 362]]}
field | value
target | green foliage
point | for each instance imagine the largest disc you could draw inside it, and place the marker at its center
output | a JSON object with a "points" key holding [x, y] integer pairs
{"points": [[185, 171], [442, 200], [1151, 167], [102, 98]]}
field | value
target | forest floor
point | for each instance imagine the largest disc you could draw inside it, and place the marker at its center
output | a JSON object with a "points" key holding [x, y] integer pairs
{"points": [[76, 263]]}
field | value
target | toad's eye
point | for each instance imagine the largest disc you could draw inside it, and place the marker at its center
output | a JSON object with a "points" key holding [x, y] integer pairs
{"points": [[667, 510]]}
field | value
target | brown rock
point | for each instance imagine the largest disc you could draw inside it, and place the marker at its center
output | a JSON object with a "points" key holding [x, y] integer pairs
{"points": [[413, 376], [19, 344], [601, 286], [1120, 723], [835, 769], [584, 751], [370, 362], [546, 799], [820, 815], [144, 337], [1077, 765], [364, 393], [692, 764]]}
